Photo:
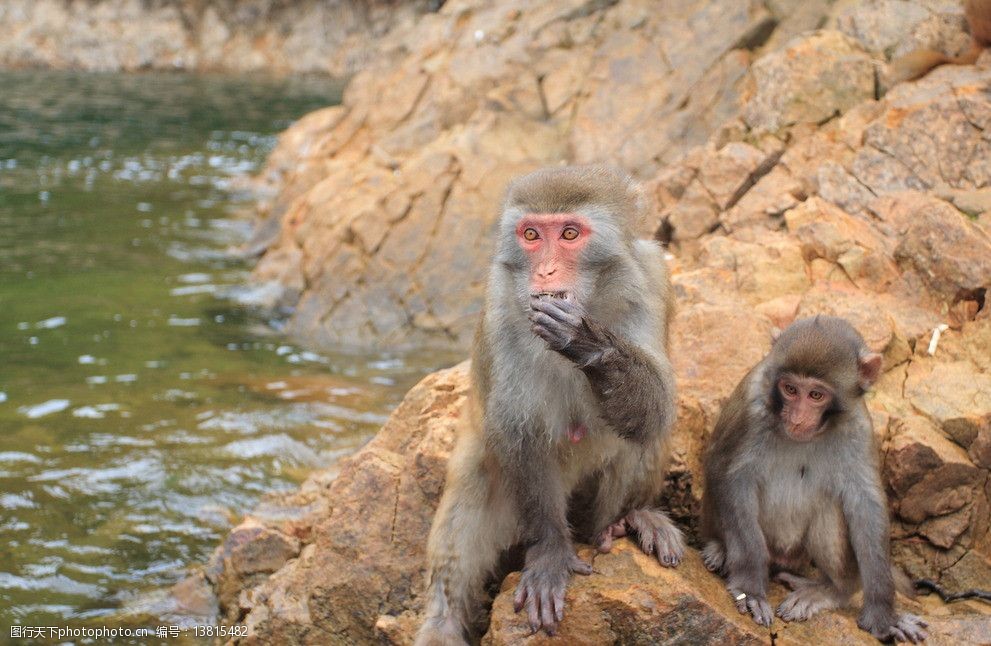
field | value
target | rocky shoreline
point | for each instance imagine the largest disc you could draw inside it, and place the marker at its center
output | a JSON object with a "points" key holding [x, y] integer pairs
{"points": [[335, 37], [788, 180]]}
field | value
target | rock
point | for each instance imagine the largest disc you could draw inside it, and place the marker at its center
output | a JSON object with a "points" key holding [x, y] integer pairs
{"points": [[312, 36], [952, 394], [372, 542], [408, 173], [783, 189], [812, 79], [631, 599], [249, 553], [194, 597], [928, 135], [930, 476], [893, 28], [826, 232], [947, 250], [369, 530]]}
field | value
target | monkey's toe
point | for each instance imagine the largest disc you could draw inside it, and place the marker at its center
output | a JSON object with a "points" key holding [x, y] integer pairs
{"points": [[541, 593], [657, 535], [757, 605], [603, 541], [909, 628], [807, 601], [714, 557], [578, 566], [760, 610], [670, 546]]}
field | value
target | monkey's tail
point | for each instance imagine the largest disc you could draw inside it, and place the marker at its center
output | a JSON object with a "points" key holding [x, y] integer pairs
{"points": [[903, 583], [931, 586], [917, 63]]}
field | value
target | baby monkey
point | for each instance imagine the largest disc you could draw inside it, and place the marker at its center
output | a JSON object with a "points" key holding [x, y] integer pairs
{"points": [[791, 475]]}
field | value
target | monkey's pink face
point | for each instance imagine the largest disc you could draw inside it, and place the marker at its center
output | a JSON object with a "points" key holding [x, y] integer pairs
{"points": [[805, 400], [552, 243]]}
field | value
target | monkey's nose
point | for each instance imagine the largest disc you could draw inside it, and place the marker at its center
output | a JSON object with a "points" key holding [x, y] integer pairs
{"points": [[544, 273]]}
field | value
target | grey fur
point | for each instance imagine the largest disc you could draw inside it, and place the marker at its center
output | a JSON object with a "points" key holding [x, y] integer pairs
{"points": [[771, 500], [513, 470]]}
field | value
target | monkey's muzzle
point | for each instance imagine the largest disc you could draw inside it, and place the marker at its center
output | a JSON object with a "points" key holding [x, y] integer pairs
{"points": [[544, 295]]}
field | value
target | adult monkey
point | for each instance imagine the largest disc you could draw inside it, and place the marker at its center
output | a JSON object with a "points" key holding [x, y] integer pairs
{"points": [[571, 389], [791, 474]]}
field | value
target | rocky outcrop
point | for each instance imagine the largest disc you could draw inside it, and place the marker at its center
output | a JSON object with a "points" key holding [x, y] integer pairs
{"points": [[378, 229], [359, 575], [783, 189], [344, 553], [336, 37], [385, 213]]}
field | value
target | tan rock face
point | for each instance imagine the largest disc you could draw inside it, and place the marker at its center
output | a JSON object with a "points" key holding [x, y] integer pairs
{"points": [[808, 81], [304, 36], [386, 217], [778, 199], [631, 599], [364, 532], [360, 573], [381, 226]]}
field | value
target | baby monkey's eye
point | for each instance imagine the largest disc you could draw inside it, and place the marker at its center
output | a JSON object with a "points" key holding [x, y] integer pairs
{"points": [[815, 395], [791, 390], [531, 234], [569, 233]]}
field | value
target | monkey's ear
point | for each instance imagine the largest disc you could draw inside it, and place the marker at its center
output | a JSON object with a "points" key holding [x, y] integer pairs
{"points": [[869, 369]]}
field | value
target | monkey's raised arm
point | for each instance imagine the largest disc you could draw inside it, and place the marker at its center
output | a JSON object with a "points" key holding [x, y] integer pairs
{"points": [[637, 395]]}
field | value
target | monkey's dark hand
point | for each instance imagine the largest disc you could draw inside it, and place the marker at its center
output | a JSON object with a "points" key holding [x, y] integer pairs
{"points": [[563, 325], [887, 626], [755, 604], [541, 588], [636, 398]]}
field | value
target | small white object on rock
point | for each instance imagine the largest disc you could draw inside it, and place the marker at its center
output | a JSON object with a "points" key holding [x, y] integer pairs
{"points": [[934, 341]]}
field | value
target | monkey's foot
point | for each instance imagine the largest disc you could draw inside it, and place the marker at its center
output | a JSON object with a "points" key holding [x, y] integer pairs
{"points": [[756, 605], [809, 598], [714, 557], [657, 535], [605, 538], [900, 628], [541, 589]]}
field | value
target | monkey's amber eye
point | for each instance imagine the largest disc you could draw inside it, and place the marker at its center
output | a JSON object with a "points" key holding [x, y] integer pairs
{"points": [[815, 395], [569, 233], [531, 234], [791, 390]]}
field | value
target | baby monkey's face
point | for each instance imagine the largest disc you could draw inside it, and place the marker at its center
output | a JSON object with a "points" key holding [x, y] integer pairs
{"points": [[805, 400]]}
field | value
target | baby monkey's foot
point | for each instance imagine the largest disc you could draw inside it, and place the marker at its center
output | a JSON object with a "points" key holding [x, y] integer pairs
{"points": [[714, 557], [808, 600], [754, 604]]}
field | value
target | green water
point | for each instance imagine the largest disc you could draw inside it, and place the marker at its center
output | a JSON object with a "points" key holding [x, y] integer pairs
{"points": [[141, 412]]}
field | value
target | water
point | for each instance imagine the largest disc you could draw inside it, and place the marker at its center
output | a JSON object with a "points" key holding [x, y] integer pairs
{"points": [[140, 413]]}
